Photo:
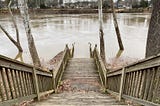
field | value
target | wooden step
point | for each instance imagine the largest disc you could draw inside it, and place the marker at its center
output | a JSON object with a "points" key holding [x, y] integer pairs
{"points": [[82, 73], [80, 99]]}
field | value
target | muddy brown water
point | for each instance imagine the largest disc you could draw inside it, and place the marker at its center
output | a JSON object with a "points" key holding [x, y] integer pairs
{"points": [[51, 33]]}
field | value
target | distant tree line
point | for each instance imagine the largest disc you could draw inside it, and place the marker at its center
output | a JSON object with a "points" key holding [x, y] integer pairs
{"points": [[134, 3], [142, 3], [85, 4]]}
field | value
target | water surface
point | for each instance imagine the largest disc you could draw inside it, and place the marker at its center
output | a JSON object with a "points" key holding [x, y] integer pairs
{"points": [[52, 32]]}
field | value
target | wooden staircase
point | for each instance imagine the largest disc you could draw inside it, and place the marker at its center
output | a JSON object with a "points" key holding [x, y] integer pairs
{"points": [[83, 78], [82, 74]]}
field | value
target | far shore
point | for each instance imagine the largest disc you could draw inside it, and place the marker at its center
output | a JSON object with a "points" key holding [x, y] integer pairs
{"points": [[76, 11]]}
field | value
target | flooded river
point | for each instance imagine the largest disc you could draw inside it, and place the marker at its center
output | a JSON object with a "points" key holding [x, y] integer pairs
{"points": [[52, 32]]}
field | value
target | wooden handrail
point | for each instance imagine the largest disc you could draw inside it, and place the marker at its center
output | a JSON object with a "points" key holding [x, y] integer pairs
{"points": [[62, 65], [72, 51], [138, 82], [99, 64], [20, 81]]}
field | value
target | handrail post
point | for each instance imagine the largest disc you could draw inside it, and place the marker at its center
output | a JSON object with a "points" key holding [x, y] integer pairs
{"points": [[53, 81], [72, 53], [122, 84], [90, 50], [36, 83], [106, 80]]}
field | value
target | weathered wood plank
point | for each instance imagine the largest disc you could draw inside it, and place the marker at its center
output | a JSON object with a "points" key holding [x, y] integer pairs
{"points": [[46, 92], [2, 90], [150, 93], [10, 84], [39, 83], [139, 84], [5, 83], [44, 73], [128, 84], [36, 86], [122, 84], [148, 80], [30, 76], [139, 101], [18, 83], [28, 84], [133, 84], [14, 83], [156, 86], [17, 100], [100, 66], [141, 93], [24, 84], [133, 99], [21, 83]]}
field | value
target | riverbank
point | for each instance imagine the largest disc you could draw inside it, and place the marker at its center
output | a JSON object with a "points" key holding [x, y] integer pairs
{"points": [[75, 11]]}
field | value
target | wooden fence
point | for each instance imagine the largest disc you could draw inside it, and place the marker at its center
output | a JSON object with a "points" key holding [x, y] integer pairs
{"points": [[99, 64], [138, 82], [68, 53], [21, 82]]}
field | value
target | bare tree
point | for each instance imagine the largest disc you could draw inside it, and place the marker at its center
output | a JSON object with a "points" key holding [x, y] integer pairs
{"points": [[117, 27], [32, 48], [101, 33], [15, 42]]}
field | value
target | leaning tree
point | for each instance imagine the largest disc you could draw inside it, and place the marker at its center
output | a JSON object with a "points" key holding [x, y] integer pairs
{"points": [[32, 48], [121, 47]]}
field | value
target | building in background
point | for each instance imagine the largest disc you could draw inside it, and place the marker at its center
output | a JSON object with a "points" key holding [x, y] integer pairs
{"points": [[2, 4]]}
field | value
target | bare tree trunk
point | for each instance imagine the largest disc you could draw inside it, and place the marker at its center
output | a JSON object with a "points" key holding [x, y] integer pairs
{"points": [[153, 40], [101, 34], [16, 43], [25, 15], [116, 27]]}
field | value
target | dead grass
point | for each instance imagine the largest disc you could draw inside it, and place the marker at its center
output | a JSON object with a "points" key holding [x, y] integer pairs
{"points": [[53, 63], [116, 63]]}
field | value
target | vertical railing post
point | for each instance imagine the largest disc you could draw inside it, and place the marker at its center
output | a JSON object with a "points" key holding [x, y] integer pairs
{"points": [[36, 87], [54, 83], [72, 50], [106, 80], [122, 84], [90, 50]]}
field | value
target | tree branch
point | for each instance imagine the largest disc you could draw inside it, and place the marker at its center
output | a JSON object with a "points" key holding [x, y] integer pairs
{"points": [[14, 22], [8, 35], [11, 39]]}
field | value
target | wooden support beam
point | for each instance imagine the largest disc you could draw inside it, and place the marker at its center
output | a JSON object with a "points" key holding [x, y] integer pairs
{"points": [[122, 84], [36, 83], [53, 81]]}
